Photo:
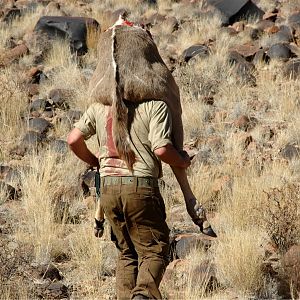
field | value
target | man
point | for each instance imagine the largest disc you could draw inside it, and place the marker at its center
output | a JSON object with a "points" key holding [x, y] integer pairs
{"points": [[131, 200]]}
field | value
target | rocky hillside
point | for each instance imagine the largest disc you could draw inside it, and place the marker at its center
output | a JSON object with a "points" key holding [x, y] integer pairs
{"points": [[238, 68]]}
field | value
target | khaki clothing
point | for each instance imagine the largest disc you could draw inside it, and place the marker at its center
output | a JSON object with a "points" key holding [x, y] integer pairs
{"points": [[150, 128], [132, 202], [137, 216]]}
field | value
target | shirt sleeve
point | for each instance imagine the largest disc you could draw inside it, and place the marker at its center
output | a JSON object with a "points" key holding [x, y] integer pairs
{"points": [[87, 123], [160, 129]]}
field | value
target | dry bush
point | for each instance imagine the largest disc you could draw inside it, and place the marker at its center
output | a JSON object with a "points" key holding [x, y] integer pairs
{"points": [[197, 32], [13, 101], [86, 252], [92, 37], [281, 217], [199, 286], [40, 186], [22, 25], [239, 258], [66, 74], [60, 55]]}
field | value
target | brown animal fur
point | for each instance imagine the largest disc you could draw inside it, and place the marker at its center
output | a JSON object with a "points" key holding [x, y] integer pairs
{"points": [[130, 68]]}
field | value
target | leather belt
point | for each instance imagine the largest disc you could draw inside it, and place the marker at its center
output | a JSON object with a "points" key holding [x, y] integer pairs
{"points": [[140, 181]]}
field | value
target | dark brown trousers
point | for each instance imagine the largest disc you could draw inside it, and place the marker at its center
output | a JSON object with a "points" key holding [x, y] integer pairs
{"points": [[137, 216]]}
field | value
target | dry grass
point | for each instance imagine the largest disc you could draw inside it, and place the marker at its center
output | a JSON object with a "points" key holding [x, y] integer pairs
{"points": [[251, 211], [43, 186], [239, 258], [13, 100]]}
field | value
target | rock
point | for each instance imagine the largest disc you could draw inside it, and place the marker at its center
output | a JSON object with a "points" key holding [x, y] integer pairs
{"points": [[38, 105], [272, 30], [32, 138], [279, 51], [247, 50], [36, 75], [58, 97], [39, 125], [290, 151], [183, 244], [57, 290], [282, 36], [271, 15], [12, 55], [254, 33], [181, 272], [260, 57], [291, 270], [170, 24], [263, 25], [237, 10], [50, 272], [294, 49], [33, 89], [48, 114], [73, 115], [53, 9], [72, 28], [59, 146], [294, 19], [9, 191], [242, 122], [88, 181], [292, 69], [238, 26], [4, 170], [242, 70], [195, 50]]}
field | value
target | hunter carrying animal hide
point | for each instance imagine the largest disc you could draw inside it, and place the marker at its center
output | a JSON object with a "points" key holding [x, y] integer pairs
{"points": [[130, 68]]}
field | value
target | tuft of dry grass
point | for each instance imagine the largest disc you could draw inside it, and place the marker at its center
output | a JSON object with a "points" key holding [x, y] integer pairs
{"points": [[239, 258], [13, 100], [40, 187]]}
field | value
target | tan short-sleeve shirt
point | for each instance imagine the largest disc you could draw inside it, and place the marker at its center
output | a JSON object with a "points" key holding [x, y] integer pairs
{"points": [[150, 129]]}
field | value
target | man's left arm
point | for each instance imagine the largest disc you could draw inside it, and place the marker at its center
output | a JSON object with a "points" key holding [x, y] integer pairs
{"points": [[78, 146]]}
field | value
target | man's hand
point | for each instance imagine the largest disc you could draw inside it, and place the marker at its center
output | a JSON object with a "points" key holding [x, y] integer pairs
{"points": [[198, 215], [99, 228]]}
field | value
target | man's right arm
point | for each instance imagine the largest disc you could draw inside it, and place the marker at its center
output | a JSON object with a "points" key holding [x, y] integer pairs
{"points": [[169, 155]]}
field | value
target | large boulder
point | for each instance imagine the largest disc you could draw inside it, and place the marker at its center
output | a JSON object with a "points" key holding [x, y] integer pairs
{"points": [[235, 10], [75, 29]]}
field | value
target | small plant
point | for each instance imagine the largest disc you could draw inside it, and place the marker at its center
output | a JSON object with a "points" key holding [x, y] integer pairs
{"points": [[282, 215]]}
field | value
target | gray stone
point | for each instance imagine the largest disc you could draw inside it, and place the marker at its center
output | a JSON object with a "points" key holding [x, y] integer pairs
{"points": [[10, 192], [290, 151], [195, 50], [39, 125], [236, 10], [279, 51], [292, 69], [73, 115], [58, 97], [32, 138], [50, 272], [57, 290], [183, 244], [38, 105], [59, 146]]}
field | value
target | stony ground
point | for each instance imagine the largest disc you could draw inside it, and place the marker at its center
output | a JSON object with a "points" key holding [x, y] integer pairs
{"points": [[239, 83]]}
